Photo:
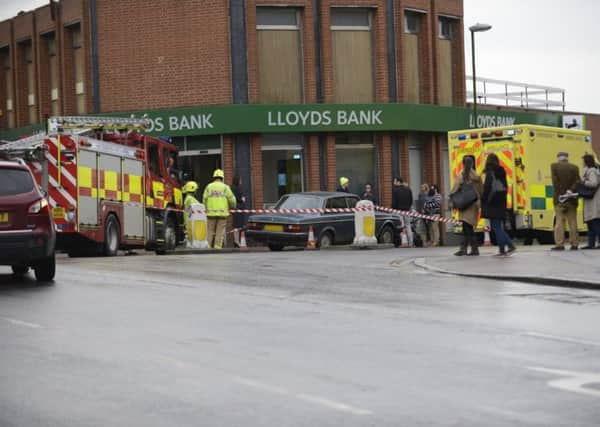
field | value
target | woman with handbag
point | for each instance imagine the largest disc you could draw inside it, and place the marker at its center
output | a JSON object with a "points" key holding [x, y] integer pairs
{"points": [[493, 203], [465, 197], [591, 206]]}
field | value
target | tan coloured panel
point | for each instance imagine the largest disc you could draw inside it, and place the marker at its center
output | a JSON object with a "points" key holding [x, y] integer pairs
{"points": [[412, 68], [353, 67], [445, 72], [80, 80], [279, 66]]}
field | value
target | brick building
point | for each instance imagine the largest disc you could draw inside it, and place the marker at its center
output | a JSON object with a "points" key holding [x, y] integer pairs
{"points": [[288, 94]]}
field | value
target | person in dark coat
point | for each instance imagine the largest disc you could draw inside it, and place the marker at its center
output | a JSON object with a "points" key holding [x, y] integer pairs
{"points": [[402, 198], [369, 195], [239, 219], [493, 203]]}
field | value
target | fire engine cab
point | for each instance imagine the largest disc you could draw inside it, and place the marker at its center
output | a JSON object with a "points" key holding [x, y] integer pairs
{"points": [[110, 186]]}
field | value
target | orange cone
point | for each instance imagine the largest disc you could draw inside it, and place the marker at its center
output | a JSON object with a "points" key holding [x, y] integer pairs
{"points": [[312, 243], [486, 236], [243, 245], [403, 239]]}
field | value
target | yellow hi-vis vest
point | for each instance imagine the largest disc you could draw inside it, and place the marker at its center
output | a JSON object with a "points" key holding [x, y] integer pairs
{"points": [[218, 199], [189, 201]]}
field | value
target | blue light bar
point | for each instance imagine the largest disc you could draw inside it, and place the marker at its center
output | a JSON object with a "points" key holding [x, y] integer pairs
{"points": [[462, 137]]}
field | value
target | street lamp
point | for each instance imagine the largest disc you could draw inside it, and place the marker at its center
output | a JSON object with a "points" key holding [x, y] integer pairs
{"points": [[477, 28]]}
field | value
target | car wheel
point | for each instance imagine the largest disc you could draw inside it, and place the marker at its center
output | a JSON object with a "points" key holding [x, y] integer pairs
{"points": [[387, 236], [170, 238], [20, 270], [112, 235], [325, 240], [275, 248], [45, 269]]}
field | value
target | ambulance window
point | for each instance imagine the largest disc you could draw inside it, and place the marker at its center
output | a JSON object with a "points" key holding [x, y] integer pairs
{"points": [[153, 160]]}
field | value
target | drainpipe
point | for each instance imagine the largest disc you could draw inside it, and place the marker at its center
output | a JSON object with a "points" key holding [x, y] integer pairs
{"points": [[94, 52]]}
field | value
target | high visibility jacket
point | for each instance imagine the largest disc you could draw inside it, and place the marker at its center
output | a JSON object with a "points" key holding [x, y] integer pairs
{"points": [[218, 199], [189, 201]]}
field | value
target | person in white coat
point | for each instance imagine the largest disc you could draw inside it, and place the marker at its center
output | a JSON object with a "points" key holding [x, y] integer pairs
{"points": [[591, 207]]}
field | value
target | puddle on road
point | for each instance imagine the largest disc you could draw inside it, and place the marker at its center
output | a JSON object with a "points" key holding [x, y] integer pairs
{"points": [[562, 297]]}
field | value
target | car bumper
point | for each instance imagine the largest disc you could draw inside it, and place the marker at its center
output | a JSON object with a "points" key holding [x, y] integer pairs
{"points": [[283, 238], [23, 247]]}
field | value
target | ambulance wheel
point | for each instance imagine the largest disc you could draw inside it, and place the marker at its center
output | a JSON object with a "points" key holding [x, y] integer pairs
{"points": [[112, 235]]}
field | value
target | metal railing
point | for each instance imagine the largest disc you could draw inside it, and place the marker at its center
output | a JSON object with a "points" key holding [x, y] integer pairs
{"points": [[515, 94]]}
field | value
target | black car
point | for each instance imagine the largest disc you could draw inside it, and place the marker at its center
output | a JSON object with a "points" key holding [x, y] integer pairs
{"points": [[278, 230]]}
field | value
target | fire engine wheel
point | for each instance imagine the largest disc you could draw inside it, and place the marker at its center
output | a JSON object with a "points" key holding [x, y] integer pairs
{"points": [[112, 233], [170, 238]]}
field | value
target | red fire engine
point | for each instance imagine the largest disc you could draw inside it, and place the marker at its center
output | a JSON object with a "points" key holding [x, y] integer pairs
{"points": [[110, 186]]}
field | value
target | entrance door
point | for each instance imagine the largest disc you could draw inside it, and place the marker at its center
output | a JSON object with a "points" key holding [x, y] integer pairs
{"points": [[282, 173], [200, 168]]}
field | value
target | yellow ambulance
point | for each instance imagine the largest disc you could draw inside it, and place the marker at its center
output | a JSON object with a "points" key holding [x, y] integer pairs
{"points": [[526, 153]]}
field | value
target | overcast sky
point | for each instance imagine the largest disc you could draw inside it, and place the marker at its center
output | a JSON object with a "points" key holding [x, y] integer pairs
{"points": [[545, 42]]}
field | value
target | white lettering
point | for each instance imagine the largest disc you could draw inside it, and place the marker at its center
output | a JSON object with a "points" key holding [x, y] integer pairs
{"points": [[353, 119], [326, 118], [173, 125], [270, 119], [365, 117], [184, 123], [375, 117], [316, 118], [206, 121], [342, 117], [196, 121], [292, 118], [304, 116]]}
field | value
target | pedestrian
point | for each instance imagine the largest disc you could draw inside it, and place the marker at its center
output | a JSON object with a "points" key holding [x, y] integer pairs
{"points": [[468, 215], [493, 203], [368, 194], [218, 199], [189, 192], [239, 219], [173, 172], [421, 224], [565, 177], [591, 207], [402, 200], [433, 206], [344, 185]]}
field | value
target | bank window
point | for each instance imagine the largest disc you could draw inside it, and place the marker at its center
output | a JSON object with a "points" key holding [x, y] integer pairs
{"points": [[280, 63], [353, 61], [412, 22], [355, 159], [446, 27]]}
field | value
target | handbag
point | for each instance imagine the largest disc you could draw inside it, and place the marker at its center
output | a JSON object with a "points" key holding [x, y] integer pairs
{"points": [[464, 197], [585, 192], [496, 187]]}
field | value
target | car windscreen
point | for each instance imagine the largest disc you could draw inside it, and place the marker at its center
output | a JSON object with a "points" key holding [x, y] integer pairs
{"points": [[15, 181], [299, 202]]}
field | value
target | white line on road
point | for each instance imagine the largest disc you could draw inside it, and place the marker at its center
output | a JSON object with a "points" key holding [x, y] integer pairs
{"points": [[317, 400], [21, 323], [571, 380], [564, 339]]}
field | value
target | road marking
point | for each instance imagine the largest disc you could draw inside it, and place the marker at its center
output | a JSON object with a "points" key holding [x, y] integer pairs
{"points": [[571, 380], [332, 404], [317, 400], [21, 323], [564, 339]]}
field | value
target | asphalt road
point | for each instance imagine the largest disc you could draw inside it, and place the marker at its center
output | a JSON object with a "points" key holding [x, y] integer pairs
{"points": [[331, 338]]}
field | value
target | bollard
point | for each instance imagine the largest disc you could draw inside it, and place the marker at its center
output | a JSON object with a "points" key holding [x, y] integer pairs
{"points": [[196, 227], [364, 225]]}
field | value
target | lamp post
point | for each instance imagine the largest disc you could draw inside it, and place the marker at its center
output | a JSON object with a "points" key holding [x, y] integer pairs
{"points": [[477, 28]]}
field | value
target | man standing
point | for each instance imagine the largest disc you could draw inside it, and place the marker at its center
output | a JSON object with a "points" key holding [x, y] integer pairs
{"points": [[344, 185], [218, 199], [565, 177], [402, 200], [368, 194]]}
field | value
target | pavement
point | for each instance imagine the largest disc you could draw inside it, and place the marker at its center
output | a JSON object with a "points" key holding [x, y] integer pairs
{"points": [[533, 264], [295, 338]]}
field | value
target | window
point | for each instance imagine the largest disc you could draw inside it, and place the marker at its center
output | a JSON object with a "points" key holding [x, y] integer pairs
{"points": [[351, 201], [280, 75], [15, 181], [153, 160], [355, 159], [353, 65], [446, 27], [412, 22], [8, 86], [283, 166], [53, 74], [79, 68], [299, 201], [27, 50], [336, 203]]}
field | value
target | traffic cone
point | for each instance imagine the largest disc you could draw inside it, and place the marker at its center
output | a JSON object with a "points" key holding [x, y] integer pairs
{"points": [[312, 243], [243, 245], [486, 236], [403, 239]]}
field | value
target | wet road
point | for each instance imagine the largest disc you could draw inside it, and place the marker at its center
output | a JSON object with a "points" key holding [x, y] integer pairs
{"points": [[331, 338]]}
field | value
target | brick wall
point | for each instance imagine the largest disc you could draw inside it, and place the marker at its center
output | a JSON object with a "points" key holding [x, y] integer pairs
{"points": [[256, 170], [330, 164], [311, 163], [171, 53], [593, 124], [384, 157]]}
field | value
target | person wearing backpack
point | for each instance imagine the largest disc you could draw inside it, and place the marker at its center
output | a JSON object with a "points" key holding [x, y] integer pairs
{"points": [[591, 207], [468, 215], [493, 206]]}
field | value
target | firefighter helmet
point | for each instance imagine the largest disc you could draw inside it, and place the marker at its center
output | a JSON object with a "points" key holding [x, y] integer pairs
{"points": [[190, 187], [218, 173]]}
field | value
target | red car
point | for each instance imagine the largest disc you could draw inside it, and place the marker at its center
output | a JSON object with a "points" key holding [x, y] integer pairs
{"points": [[27, 234]]}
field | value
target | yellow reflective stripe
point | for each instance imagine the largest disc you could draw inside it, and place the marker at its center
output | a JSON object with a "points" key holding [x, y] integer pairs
{"points": [[84, 176], [135, 184], [110, 181]]}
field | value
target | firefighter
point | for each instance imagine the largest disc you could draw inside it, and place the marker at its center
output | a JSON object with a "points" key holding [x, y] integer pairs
{"points": [[189, 191], [218, 199]]}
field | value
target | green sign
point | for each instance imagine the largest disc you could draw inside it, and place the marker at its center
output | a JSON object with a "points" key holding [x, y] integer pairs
{"points": [[260, 118]]}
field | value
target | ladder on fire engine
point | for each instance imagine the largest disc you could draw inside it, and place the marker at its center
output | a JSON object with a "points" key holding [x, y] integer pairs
{"points": [[82, 124]]}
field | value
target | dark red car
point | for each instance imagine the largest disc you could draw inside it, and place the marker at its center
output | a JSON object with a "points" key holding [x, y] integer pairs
{"points": [[27, 234]]}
